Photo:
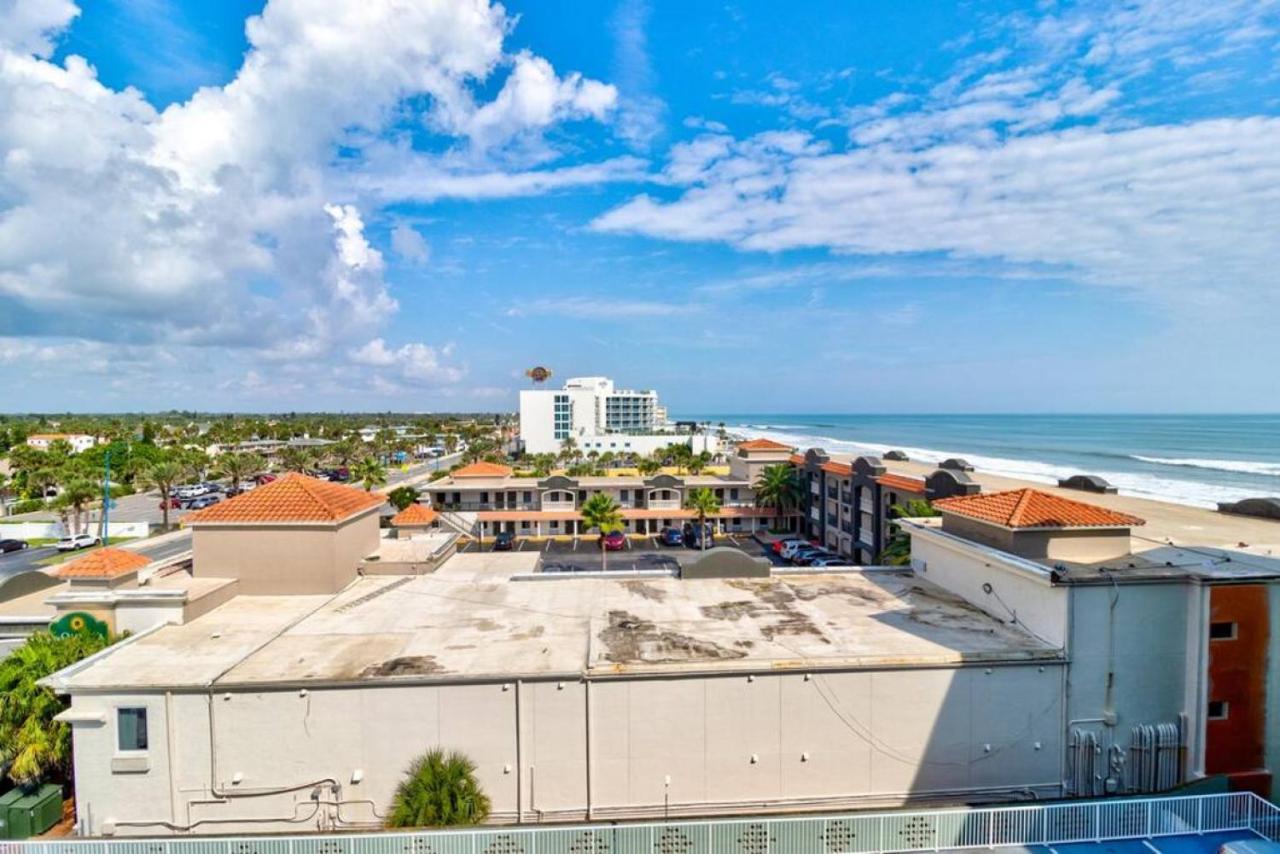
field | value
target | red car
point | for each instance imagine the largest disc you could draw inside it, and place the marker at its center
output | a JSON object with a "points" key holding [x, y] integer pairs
{"points": [[173, 502], [615, 541]]}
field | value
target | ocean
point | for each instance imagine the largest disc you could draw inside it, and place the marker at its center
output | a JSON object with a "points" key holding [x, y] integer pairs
{"points": [[1187, 459]]}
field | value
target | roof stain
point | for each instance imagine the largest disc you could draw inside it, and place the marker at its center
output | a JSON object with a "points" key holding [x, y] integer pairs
{"points": [[405, 665], [629, 638], [646, 590]]}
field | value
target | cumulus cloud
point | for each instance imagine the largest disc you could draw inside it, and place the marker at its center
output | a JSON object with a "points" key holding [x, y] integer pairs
{"points": [[1028, 157], [412, 364], [408, 243], [226, 220]]}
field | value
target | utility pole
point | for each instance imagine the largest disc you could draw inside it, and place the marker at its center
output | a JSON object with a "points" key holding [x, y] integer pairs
{"points": [[106, 496]]}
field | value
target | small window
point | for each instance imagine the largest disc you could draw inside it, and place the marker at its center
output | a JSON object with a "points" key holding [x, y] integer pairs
{"points": [[131, 728], [1222, 631], [1219, 710]]}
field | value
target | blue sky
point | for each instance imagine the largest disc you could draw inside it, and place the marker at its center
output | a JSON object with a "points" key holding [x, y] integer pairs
{"points": [[819, 207]]}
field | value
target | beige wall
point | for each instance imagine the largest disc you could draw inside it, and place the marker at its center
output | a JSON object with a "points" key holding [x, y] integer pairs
{"points": [[282, 559], [1082, 546], [677, 745]]}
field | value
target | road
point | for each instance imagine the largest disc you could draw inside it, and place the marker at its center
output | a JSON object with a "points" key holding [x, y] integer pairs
{"points": [[15, 563]]}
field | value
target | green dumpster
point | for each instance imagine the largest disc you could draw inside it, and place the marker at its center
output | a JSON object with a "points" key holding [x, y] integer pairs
{"points": [[7, 800], [33, 812]]}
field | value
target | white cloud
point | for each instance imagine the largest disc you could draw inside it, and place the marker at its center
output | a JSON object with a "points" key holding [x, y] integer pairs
{"points": [[408, 243], [412, 364], [597, 308], [224, 220]]}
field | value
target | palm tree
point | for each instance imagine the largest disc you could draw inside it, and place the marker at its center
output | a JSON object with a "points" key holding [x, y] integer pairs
{"points": [[237, 468], [778, 487], [33, 746], [75, 496], [897, 552], [602, 513], [161, 475], [370, 473], [703, 502], [39, 481], [698, 462], [648, 466], [568, 449], [295, 459], [440, 790]]}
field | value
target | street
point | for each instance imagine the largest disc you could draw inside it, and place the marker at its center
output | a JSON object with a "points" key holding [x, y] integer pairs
{"points": [[15, 563]]}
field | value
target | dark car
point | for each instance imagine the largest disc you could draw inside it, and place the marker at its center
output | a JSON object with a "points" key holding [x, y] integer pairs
{"points": [[201, 502], [671, 537], [614, 541], [504, 541], [7, 546], [807, 557], [693, 541]]}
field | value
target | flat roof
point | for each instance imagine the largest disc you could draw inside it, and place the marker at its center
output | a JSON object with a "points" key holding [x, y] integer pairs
{"points": [[471, 620]]}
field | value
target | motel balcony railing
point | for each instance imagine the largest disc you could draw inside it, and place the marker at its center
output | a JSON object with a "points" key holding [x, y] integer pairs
{"points": [[1241, 815]]}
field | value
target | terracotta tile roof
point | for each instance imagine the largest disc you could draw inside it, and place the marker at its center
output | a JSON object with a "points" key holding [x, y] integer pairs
{"points": [[763, 445], [1031, 508], [292, 498], [103, 563], [900, 481], [483, 470], [414, 514], [842, 469], [797, 459]]}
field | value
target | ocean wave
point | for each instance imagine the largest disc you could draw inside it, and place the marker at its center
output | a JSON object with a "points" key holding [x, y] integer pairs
{"points": [[1237, 466], [1140, 485]]}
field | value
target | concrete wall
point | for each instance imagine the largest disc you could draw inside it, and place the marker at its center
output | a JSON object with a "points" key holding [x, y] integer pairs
{"points": [[964, 568], [701, 745], [282, 559], [1080, 546]]}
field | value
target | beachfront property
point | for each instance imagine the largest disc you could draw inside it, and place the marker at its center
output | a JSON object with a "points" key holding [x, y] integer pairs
{"points": [[846, 505], [78, 441], [487, 498], [599, 417], [1033, 649]]}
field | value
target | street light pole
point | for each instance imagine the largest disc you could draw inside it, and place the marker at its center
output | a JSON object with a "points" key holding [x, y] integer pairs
{"points": [[106, 496]]}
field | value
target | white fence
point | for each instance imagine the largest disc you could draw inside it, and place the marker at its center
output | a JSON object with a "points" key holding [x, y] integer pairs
{"points": [[53, 529], [856, 833]]}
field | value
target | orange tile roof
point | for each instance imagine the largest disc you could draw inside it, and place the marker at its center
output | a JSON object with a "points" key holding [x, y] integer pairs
{"points": [[103, 563], [414, 514], [292, 498], [1031, 508], [842, 469], [763, 445], [483, 470], [797, 459], [899, 481]]}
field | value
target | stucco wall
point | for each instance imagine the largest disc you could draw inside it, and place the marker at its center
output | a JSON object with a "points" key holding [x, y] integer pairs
{"points": [[683, 745], [282, 559]]}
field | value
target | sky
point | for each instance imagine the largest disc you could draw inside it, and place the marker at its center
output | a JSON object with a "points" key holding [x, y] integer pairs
{"points": [[749, 206]]}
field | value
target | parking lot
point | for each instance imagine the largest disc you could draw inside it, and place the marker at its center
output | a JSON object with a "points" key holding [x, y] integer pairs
{"points": [[583, 554]]}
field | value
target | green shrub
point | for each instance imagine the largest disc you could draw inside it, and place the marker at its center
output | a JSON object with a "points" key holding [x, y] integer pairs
{"points": [[27, 505], [440, 790]]}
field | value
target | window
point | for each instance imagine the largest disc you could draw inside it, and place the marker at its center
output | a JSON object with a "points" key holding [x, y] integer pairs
{"points": [[1222, 631], [733, 494], [131, 728], [1218, 710]]}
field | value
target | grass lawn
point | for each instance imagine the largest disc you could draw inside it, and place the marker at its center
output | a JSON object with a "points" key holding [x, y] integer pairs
{"points": [[64, 556]]}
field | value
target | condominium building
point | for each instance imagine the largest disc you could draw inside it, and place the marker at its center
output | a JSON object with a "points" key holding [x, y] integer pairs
{"points": [[597, 416], [488, 498]]}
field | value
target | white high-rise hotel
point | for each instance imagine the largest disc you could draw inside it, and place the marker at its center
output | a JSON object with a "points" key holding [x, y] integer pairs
{"points": [[599, 417]]}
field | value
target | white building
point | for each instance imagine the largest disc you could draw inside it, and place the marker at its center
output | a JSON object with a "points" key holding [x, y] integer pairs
{"points": [[599, 417], [78, 441]]}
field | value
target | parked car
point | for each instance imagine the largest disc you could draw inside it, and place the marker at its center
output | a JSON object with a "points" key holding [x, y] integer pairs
{"points": [[805, 557], [614, 541], [202, 501], [504, 541], [173, 501], [789, 550], [693, 541], [7, 546], [834, 560], [264, 478], [779, 545], [671, 537], [77, 542]]}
